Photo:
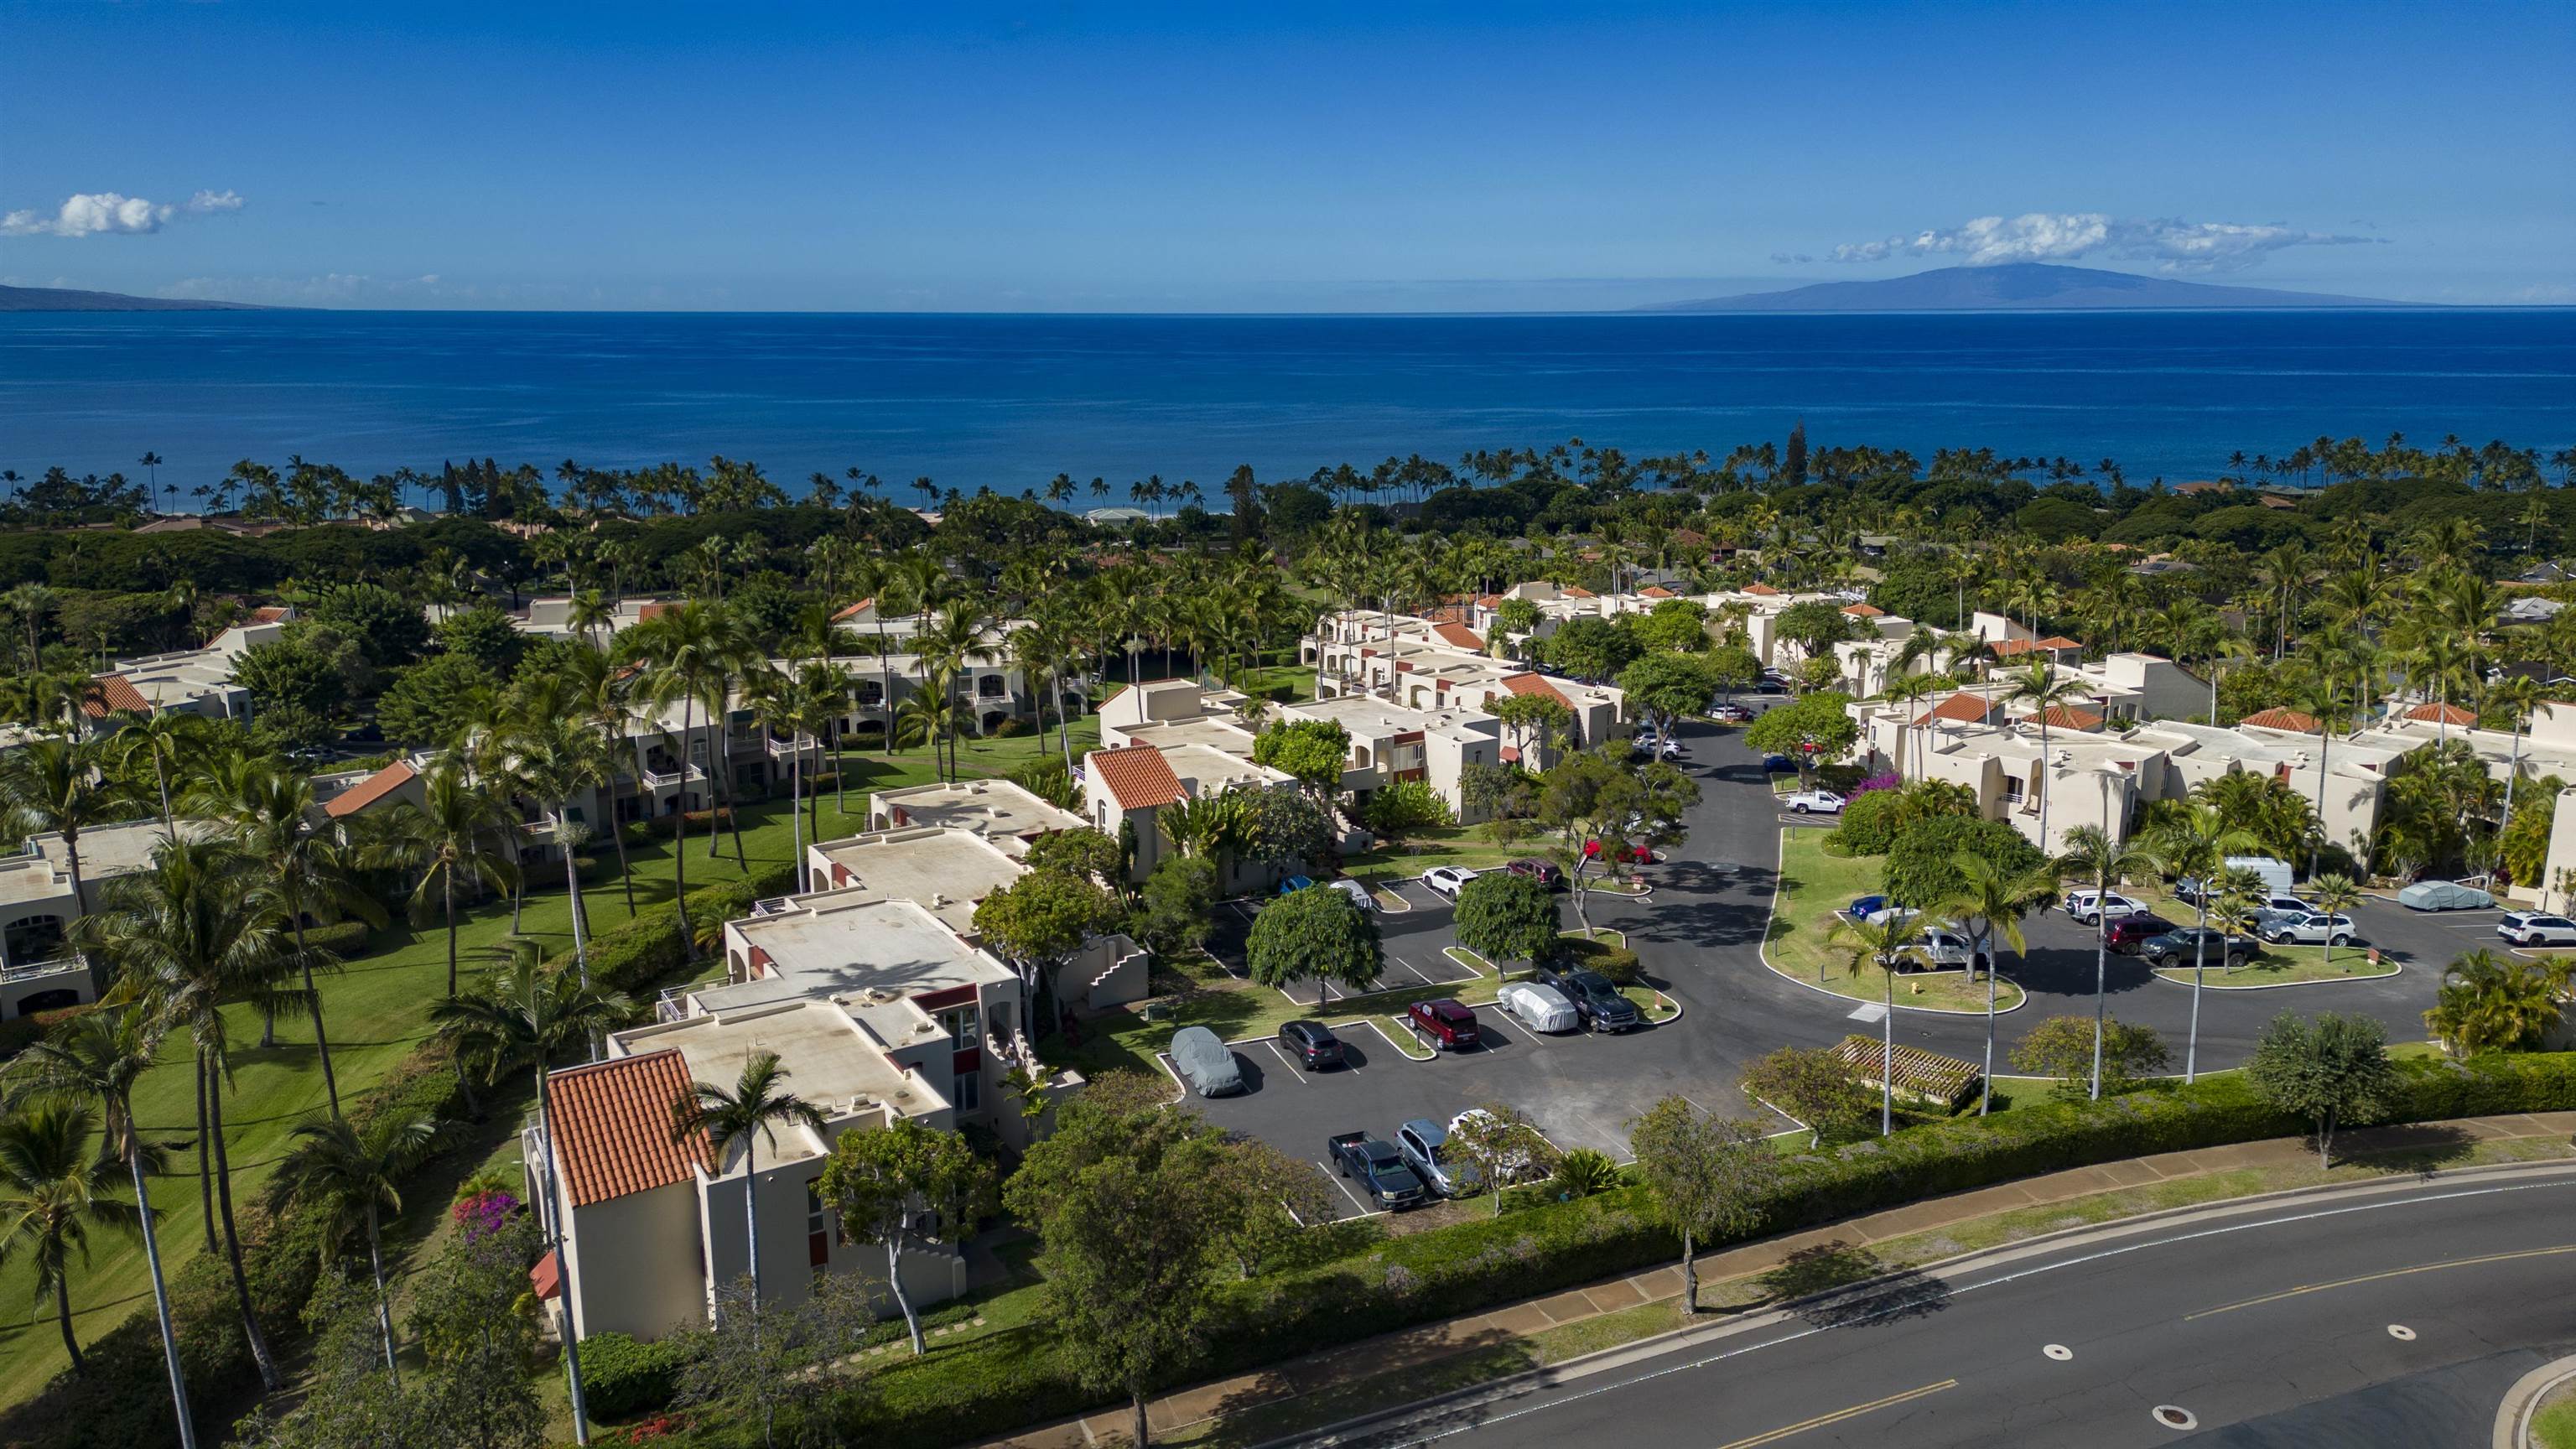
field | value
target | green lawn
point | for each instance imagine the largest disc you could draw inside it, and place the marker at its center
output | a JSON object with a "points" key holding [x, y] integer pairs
{"points": [[1813, 886], [2287, 966], [2554, 1427], [1300, 679], [1459, 845], [377, 1011]]}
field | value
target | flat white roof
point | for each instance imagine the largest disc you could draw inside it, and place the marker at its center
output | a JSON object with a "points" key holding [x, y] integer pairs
{"points": [[846, 942], [945, 872], [994, 809]]}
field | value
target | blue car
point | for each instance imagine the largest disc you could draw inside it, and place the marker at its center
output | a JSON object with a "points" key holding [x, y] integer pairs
{"points": [[1295, 883], [1862, 909], [1778, 764]]}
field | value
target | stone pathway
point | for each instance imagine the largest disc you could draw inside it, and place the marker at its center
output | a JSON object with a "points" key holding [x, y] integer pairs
{"points": [[1435, 1341]]}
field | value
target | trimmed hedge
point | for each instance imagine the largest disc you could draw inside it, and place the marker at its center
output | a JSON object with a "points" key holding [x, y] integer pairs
{"points": [[1616, 962], [124, 1399], [620, 1376], [994, 1385], [663, 827]]}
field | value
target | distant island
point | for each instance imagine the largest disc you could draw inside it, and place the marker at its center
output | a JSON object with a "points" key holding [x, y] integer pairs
{"points": [[2012, 287], [68, 299]]}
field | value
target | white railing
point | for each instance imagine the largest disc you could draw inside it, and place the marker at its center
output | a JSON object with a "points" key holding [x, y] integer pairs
{"points": [[58, 966], [801, 745], [673, 1005], [671, 779], [772, 906]]}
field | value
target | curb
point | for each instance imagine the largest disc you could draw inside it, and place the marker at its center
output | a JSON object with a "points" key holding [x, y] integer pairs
{"points": [[1762, 952], [2522, 1401], [2158, 972], [1692, 1334]]}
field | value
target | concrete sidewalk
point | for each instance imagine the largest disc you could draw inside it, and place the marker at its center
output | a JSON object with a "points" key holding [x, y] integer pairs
{"points": [[1521, 1320]]}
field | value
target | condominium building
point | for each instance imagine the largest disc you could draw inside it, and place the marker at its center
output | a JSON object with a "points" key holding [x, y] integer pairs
{"points": [[39, 971], [1427, 666]]}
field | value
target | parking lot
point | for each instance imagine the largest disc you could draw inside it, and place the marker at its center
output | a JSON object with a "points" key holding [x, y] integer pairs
{"points": [[1414, 937]]}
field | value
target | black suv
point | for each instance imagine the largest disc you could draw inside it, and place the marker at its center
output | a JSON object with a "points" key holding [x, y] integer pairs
{"points": [[1597, 1003], [1310, 1044], [2178, 947]]}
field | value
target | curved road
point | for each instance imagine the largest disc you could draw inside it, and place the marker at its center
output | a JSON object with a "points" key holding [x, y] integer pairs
{"points": [[2382, 1316]]}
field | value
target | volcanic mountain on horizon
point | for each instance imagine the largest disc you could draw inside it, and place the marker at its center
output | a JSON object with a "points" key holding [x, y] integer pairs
{"points": [[66, 299], [2012, 287]]}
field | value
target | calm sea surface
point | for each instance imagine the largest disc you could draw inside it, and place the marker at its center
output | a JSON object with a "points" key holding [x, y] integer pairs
{"points": [[1010, 401]]}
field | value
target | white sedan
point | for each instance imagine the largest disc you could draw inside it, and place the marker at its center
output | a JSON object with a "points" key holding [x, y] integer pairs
{"points": [[2314, 929], [1447, 880], [1817, 802]]}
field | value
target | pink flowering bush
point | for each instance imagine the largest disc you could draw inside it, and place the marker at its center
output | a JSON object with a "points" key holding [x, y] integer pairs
{"points": [[481, 1213], [1877, 782]]}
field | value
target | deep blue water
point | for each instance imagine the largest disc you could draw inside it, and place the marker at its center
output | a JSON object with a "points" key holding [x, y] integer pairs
{"points": [[1011, 400]]}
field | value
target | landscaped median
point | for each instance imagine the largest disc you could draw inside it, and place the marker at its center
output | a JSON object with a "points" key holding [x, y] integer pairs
{"points": [[1814, 886], [1364, 1283], [2288, 966]]}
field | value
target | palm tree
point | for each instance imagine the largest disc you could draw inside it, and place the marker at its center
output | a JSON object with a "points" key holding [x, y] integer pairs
{"points": [[170, 740], [99, 1056], [523, 1012], [684, 653], [559, 760], [595, 693], [2334, 893], [2515, 696], [1886, 945], [2196, 841], [1995, 900], [351, 1174], [2491, 1004], [448, 837], [2043, 688], [749, 1113], [186, 935], [55, 785], [2323, 699], [2093, 857], [1905, 691], [53, 1191]]}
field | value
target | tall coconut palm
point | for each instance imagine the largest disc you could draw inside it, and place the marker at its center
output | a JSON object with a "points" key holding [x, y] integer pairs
{"points": [[2043, 688], [749, 1113], [2195, 841], [1905, 691], [170, 741], [186, 935], [2096, 859], [53, 1192], [97, 1057], [776, 710], [522, 1012], [1887, 945], [2515, 696], [954, 640], [594, 689], [559, 761], [449, 838], [313, 869], [683, 653], [2325, 698], [349, 1175], [56, 785], [2333, 893], [1991, 901]]}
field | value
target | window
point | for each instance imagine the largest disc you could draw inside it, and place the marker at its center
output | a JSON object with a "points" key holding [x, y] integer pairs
{"points": [[970, 1091], [965, 1029], [988, 686], [818, 1230]]}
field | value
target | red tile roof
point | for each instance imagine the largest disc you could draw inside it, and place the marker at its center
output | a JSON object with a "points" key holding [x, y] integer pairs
{"points": [[1137, 777], [2060, 641], [1865, 611], [1535, 684], [2283, 719], [1572, 592], [269, 613], [2452, 714], [370, 790], [1959, 708], [654, 610], [1765, 590], [849, 610], [1489, 601], [2015, 648], [612, 1127], [109, 693], [2068, 717], [1658, 591], [1459, 635]]}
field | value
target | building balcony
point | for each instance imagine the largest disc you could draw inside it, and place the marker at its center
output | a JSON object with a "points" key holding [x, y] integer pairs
{"points": [[804, 745], [63, 965], [673, 779]]}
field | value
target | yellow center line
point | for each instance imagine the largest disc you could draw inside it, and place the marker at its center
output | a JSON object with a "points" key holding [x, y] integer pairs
{"points": [[1838, 1415], [2376, 1277]]}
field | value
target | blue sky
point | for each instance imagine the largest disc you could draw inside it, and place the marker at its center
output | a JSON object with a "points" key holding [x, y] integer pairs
{"points": [[1185, 158]]}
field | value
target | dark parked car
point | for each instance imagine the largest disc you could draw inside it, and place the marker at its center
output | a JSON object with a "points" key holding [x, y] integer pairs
{"points": [[1377, 1167], [2127, 933], [1310, 1044], [1598, 1003], [1444, 1022], [2180, 947], [1544, 872], [1865, 907], [1779, 764]]}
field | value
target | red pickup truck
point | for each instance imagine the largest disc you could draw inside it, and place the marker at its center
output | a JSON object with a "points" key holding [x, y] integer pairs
{"points": [[1443, 1023]]}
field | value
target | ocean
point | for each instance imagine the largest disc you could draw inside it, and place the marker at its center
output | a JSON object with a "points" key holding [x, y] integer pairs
{"points": [[1010, 401]]}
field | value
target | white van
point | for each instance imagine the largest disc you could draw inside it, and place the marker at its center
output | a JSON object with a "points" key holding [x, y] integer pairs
{"points": [[2275, 873]]}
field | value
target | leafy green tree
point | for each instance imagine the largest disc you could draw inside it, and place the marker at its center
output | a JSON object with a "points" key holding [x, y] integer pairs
{"points": [[1506, 917], [54, 1187], [1813, 1086], [1281, 1196], [2195, 841], [437, 699], [2062, 1047], [56, 785], [1991, 901], [2334, 1071], [485, 635], [389, 628], [907, 1187], [1310, 751], [1087, 853], [1135, 1215], [1812, 730], [1283, 828], [1923, 862], [1503, 1145], [1590, 648], [1678, 625], [1038, 922], [477, 1334], [1609, 809], [2491, 1004], [2093, 858], [1314, 935], [1406, 808], [1668, 687], [1708, 1177], [1172, 909], [1816, 626], [1539, 723], [1733, 668]]}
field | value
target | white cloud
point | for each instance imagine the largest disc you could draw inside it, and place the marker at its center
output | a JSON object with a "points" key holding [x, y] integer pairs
{"points": [[2174, 245], [98, 213]]}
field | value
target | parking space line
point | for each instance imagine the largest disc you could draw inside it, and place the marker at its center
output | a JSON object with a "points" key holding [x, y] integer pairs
{"points": [[1358, 1208], [1284, 1064], [1416, 970]]}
